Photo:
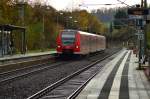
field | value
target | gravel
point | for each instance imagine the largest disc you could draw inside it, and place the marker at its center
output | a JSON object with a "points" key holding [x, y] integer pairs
{"points": [[27, 86]]}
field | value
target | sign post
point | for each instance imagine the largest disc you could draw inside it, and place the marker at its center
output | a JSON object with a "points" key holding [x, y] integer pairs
{"points": [[139, 15]]}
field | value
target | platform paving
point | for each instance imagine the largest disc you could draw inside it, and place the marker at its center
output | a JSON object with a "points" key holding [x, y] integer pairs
{"points": [[119, 79], [17, 56]]}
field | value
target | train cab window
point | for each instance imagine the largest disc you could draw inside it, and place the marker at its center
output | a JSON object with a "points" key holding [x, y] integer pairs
{"points": [[68, 38]]}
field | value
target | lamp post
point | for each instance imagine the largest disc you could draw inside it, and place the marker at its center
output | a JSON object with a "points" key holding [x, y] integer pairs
{"points": [[1, 47], [0, 13], [42, 34], [58, 20], [21, 9], [70, 19], [75, 21], [110, 32]]}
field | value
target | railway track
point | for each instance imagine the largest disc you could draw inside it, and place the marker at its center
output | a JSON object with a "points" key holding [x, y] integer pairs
{"points": [[54, 86], [26, 85], [9, 77], [12, 75], [23, 62], [77, 92]]}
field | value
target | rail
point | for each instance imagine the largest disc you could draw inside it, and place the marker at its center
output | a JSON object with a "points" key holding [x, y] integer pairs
{"points": [[62, 81], [9, 79], [76, 93]]}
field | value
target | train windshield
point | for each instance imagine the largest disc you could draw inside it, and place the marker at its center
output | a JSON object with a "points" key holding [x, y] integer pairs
{"points": [[68, 37]]}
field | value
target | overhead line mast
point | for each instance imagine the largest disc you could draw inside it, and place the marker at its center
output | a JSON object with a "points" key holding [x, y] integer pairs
{"points": [[143, 3]]}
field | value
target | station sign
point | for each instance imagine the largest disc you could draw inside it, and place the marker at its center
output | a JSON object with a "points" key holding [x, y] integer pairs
{"points": [[138, 11], [140, 34], [136, 17], [141, 37]]}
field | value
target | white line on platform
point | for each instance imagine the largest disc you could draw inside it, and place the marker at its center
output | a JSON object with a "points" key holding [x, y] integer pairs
{"points": [[115, 89], [93, 89]]}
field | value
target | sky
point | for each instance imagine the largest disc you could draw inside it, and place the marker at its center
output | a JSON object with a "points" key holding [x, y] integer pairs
{"points": [[88, 4]]}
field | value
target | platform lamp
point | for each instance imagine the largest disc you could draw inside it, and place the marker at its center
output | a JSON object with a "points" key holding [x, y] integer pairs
{"points": [[70, 17], [0, 13], [21, 11], [42, 37], [58, 14], [1, 43], [75, 22], [21, 8], [1, 37]]}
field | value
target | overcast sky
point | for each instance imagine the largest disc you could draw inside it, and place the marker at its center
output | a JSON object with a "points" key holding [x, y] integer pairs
{"points": [[88, 4]]}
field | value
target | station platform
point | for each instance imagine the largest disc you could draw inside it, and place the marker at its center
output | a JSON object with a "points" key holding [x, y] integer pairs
{"points": [[19, 56], [119, 79]]}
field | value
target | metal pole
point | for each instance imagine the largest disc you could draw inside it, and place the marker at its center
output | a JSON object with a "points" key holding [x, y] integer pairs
{"points": [[21, 14], [140, 54], [43, 22], [145, 4], [141, 3], [146, 53], [2, 42], [12, 43], [66, 23], [57, 23], [24, 42], [110, 31], [145, 29], [42, 34], [23, 33], [7, 40], [70, 19]]}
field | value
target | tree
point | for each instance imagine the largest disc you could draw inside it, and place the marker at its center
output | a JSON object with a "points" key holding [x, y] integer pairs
{"points": [[43, 22], [120, 19]]}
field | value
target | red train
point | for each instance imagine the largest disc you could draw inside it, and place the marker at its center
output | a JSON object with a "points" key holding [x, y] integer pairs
{"points": [[78, 42]]}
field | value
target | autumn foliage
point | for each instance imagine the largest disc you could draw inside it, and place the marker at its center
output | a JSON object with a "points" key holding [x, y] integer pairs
{"points": [[44, 22]]}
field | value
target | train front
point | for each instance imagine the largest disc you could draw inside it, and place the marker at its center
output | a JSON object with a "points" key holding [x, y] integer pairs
{"points": [[67, 42]]}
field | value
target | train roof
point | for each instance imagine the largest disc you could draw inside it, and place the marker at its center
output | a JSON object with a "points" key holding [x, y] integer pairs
{"points": [[81, 32], [86, 33], [69, 30]]}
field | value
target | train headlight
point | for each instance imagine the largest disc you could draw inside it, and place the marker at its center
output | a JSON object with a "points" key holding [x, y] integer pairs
{"points": [[58, 46], [77, 46]]}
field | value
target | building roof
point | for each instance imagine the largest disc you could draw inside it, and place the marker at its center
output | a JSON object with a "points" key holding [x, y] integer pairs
{"points": [[11, 27]]}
